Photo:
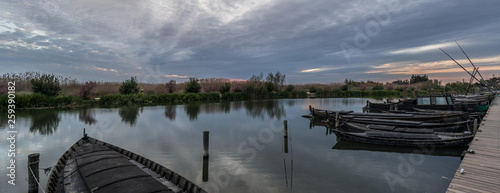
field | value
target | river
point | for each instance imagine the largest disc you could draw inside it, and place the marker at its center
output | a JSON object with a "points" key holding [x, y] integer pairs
{"points": [[246, 151]]}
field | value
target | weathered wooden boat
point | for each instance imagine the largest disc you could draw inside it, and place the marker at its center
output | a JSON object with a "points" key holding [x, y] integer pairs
{"points": [[452, 130], [403, 123], [399, 115], [94, 166], [437, 102], [404, 139]]}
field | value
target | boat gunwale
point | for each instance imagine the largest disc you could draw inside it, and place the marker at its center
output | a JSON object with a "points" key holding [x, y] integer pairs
{"points": [[180, 181]]}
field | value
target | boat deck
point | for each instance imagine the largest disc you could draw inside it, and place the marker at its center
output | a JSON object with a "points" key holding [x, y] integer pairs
{"points": [[105, 170], [481, 170]]}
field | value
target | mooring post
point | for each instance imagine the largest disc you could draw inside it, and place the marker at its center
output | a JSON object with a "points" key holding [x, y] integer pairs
{"points": [[205, 143], [310, 108], [337, 119], [204, 175], [327, 115], [285, 128], [475, 126], [33, 160]]}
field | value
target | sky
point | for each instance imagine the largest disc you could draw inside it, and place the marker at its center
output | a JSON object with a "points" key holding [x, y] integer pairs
{"points": [[313, 41]]}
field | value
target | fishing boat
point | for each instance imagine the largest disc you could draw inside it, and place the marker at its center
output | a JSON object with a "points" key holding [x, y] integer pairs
{"points": [[398, 115], [437, 102], [94, 166], [404, 123], [451, 130], [404, 139]]}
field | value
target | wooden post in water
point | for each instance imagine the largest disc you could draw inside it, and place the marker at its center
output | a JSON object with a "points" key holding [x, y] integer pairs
{"points": [[205, 143], [33, 160], [337, 119], [285, 128], [310, 108]]}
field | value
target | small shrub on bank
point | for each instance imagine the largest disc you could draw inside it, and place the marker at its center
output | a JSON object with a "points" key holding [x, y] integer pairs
{"points": [[129, 86], [225, 88], [46, 85], [193, 86], [87, 89]]}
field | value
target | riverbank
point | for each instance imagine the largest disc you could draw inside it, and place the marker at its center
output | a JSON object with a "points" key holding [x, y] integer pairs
{"points": [[40, 101]]}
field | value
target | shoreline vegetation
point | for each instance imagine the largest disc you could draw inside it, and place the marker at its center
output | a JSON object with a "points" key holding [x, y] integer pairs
{"points": [[34, 90]]}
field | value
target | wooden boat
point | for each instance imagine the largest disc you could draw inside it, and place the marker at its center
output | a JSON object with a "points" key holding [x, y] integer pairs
{"points": [[437, 102], [404, 139], [453, 130], [409, 116], [91, 165], [403, 123]]}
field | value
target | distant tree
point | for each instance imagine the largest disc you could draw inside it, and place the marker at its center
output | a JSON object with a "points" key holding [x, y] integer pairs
{"points": [[129, 86], [46, 84], [225, 88], [418, 78], [256, 78], [378, 87], [193, 86], [401, 82], [87, 89], [289, 88], [362, 87], [277, 80], [170, 86]]}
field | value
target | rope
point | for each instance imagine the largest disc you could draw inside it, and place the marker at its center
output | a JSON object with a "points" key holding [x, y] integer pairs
{"points": [[35, 179]]}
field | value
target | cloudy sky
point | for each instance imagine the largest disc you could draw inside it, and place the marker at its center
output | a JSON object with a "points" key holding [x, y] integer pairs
{"points": [[309, 41]]}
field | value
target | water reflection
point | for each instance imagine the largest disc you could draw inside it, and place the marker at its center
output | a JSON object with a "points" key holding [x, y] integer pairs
{"points": [[348, 145], [273, 108], [87, 116], [170, 112], [192, 110], [45, 123], [129, 114]]}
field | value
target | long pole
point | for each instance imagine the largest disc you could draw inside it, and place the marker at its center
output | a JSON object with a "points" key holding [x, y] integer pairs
{"points": [[469, 59], [466, 70]]}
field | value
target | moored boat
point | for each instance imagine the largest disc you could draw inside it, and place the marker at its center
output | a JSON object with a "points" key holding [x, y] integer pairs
{"points": [[91, 165], [404, 139]]}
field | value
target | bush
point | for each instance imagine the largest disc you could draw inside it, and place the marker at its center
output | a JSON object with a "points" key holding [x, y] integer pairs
{"points": [[191, 97], [210, 97], [46, 85], [378, 87], [129, 86], [225, 88], [170, 86], [270, 87], [87, 89], [193, 86], [289, 88]]}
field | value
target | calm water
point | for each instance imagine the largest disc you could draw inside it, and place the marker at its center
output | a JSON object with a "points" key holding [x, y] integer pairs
{"points": [[246, 147]]}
